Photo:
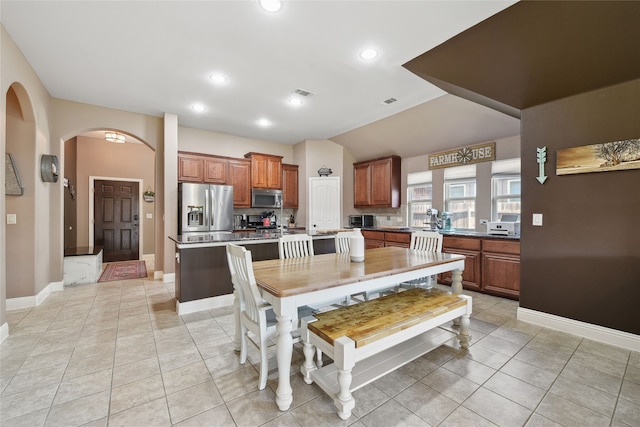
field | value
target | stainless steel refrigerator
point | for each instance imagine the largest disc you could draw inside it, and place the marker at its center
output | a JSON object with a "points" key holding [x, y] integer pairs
{"points": [[204, 208]]}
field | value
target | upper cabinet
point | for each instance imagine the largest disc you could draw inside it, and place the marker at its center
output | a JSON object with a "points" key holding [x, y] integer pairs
{"points": [[215, 170], [290, 186], [240, 178], [266, 170], [377, 183], [207, 169], [190, 168]]}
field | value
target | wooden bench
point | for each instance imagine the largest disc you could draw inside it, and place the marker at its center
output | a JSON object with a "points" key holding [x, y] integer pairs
{"points": [[370, 339]]}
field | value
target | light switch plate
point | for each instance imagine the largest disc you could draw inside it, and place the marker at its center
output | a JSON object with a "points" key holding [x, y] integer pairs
{"points": [[11, 219], [149, 216], [537, 219]]}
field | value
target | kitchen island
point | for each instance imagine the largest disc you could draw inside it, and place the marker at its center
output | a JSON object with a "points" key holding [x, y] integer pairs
{"points": [[202, 280]]}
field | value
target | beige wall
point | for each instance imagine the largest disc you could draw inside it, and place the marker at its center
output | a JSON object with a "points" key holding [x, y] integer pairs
{"points": [[35, 104], [99, 158]]}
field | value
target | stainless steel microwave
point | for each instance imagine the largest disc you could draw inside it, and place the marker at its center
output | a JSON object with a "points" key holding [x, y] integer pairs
{"points": [[361, 221], [264, 198]]}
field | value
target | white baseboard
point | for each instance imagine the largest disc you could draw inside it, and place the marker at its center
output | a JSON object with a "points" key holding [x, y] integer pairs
{"points": [[4, 331], [169, 277], [35, 300], [583, 329], [204, 304], [148, 258]]}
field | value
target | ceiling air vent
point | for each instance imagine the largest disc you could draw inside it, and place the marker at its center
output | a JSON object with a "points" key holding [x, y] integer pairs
{"points": [[389, 101], [303, 92]]}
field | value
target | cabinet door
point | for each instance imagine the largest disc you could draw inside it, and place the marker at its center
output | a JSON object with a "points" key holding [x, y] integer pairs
{"points": [[471, 272], [501, 274], [266, 171], [372, 243], [240, 178], [362, 185], [215, 170], [290, 186], [402, 240], [274, 173], [190, 168], [381, 183]]}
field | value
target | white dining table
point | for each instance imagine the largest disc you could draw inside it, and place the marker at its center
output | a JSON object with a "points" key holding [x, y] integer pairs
{"points": [[295, 282]]}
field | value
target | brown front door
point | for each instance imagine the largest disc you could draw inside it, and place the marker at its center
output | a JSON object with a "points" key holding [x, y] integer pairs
{"points": [[116, 219]]}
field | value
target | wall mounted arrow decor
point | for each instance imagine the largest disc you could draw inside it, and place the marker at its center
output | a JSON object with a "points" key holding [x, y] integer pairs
{"points": [[542, 158]]}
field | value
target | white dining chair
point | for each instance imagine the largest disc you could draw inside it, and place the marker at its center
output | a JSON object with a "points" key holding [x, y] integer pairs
{"points": [[256, 315], [342, 240], [425, 241], [295, 246]]}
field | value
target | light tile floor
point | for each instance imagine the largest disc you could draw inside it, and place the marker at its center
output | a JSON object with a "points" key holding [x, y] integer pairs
{"points": [[117, 354]]}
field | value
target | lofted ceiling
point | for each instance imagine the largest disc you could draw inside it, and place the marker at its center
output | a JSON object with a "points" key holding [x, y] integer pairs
{"points": [[153, 57]]}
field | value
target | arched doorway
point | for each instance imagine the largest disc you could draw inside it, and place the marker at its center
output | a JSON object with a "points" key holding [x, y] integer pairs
{"points": [[90, 158], [20, 236]]}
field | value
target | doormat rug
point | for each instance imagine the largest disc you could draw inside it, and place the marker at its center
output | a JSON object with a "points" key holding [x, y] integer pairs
{"points": [[124, 271]]}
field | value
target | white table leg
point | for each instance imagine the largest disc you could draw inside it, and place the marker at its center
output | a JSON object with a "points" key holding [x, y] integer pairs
{"points": [[236, 321], [456, 287], [284, 351]]}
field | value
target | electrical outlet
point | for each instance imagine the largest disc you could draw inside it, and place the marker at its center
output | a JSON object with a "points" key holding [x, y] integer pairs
{"points": [[483, 222], [537, 219], [398, 220]]}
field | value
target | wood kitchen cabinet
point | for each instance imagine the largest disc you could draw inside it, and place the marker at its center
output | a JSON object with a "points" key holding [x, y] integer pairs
{"points": [[373, 239], [377, 183], [289, 186], [379, 239], [240, 178], [215, 170], [190, 168], [266, 170], [470, 247], [501, 267]]}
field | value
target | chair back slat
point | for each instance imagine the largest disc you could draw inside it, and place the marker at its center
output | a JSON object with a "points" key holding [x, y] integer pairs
{"points": [[428, 241], [295, 246], [343, 241], [243, 279]]}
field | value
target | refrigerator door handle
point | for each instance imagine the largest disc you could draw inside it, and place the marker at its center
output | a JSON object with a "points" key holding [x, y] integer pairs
{"points": [[206, 209]]}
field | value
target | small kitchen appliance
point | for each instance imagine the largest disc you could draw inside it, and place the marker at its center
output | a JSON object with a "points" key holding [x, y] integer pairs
{"points": [[360, 221], [508, 225], [265, 198]]}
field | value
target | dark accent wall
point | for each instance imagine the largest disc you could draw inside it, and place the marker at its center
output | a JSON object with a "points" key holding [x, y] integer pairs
{"points": [[584, 262]]}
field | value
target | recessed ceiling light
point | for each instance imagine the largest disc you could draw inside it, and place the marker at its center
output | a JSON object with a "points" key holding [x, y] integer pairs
{"points": [[271, 5], [368, 54], [218, 78], [199, 108], [263, 123], [296, 102]]}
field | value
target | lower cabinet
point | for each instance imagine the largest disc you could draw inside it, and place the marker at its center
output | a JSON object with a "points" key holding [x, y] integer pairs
{"points": [[501, 267], [491, 266], [380, 239], [470, 248]]}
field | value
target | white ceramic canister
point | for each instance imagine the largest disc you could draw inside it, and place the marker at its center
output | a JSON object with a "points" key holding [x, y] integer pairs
{"points": [[356, 246]]}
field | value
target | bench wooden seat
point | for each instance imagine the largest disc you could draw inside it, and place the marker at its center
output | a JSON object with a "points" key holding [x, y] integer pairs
{"points": [[370, 339]]}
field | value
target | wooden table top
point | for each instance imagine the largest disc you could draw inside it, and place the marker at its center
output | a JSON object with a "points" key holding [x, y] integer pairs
{"points": [[294, 276]]}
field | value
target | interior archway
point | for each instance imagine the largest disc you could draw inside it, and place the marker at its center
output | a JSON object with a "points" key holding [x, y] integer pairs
{"points": [[20, 237]]}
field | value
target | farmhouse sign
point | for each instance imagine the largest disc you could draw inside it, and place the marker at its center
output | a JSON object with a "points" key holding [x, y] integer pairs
{"points": [[463, 156]]}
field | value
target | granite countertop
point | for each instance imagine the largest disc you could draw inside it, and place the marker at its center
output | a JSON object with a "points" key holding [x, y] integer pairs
{"points": [[460, 233], [244, 236]]}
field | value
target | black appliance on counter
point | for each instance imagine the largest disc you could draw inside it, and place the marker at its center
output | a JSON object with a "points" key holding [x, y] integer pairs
{"points": [[361, 221], [258, 221]]}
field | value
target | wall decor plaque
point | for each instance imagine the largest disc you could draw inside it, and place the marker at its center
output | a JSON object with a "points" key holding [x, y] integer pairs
{"points": [[609, 156], [12, 184], [463, 156]]}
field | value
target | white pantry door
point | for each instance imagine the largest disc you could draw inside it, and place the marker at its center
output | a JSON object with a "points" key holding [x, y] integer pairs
{"points": [[324, 203]]}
